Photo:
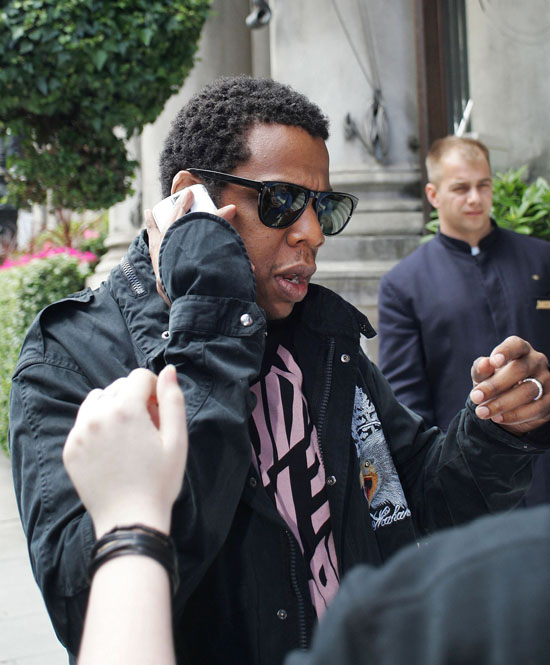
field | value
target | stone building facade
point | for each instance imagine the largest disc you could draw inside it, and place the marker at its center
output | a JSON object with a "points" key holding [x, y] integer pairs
{"points": [[359, 60]]}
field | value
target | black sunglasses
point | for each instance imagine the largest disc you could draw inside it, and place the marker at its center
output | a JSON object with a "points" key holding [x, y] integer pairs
{"points": [[280, 204]]}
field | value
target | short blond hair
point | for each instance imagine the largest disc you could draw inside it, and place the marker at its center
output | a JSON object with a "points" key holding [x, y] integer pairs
{"points": [[470, 149]]}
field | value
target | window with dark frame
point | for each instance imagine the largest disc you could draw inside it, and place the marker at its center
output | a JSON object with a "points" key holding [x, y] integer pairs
{"points": [[455, 55]]}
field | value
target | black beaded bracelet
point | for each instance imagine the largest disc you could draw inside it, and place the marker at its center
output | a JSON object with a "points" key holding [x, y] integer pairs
{"points": [[136, 539]]}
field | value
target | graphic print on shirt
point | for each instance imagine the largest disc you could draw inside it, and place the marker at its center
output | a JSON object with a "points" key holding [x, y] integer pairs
{"points": [[378, 477], [289, 463]]}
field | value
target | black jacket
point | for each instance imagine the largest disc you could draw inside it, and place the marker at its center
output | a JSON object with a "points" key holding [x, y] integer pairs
{"points": [[442, 307], [244, 594], [451, 600]]}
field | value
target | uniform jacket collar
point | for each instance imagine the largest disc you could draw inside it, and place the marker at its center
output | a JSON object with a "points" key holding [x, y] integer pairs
{"points": [[461, 246]]}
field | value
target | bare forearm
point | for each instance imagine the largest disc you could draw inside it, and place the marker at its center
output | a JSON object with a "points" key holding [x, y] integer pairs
{"points": [[129, 615]]}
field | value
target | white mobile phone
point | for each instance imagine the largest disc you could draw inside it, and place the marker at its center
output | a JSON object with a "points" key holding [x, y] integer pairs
{"points": [[201, 201]]}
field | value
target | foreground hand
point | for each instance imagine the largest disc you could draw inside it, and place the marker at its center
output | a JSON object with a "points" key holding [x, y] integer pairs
{"points": [[127, 450], [182, 206], [499, 392]]}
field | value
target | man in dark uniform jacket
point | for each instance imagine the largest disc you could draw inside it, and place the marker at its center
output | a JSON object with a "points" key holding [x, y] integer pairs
{"points": [[458, 294]]}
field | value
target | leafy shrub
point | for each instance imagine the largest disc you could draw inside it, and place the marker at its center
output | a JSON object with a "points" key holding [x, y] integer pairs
{"points": [[522, 207], [517, 205], [71, 72], [27, 287]]}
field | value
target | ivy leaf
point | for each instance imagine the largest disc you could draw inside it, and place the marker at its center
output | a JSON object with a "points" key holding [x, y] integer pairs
{"points": [[146, 36], [42, 85], [26, 47], [99, 58], [17, 33]]}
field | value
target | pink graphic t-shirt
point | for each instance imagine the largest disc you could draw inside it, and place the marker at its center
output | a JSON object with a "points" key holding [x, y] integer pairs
{"points": [[289, 463]]}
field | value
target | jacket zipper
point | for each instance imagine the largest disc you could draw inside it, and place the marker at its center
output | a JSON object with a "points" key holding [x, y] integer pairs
{"points": [[129, 272], [302, 640], [325, 397]]}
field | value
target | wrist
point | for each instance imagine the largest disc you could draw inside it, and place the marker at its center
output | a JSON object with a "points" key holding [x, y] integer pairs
{"points": [[151, 517], [140, 540]]}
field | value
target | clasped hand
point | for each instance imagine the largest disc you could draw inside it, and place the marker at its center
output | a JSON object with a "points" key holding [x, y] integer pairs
{"points": [[127, 450], [502, 395]]}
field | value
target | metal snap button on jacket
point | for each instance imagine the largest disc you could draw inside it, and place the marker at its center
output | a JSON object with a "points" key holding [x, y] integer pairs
{"points": [[246, 320], [331, 480], [281, 614]]}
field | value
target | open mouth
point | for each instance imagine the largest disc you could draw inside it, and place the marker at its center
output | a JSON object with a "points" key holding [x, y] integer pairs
{"points": [[370, 484], [293, 285]]}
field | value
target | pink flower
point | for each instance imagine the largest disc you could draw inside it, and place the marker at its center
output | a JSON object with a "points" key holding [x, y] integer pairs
{"points": [[89, 234], [19, 261], [83, 257]]}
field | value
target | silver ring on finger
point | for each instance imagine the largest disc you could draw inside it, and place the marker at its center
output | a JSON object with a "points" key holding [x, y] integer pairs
{"points": [[538, 384]]}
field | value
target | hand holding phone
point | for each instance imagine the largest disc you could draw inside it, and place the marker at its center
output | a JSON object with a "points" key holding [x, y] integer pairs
{"points": [[201, 202]]}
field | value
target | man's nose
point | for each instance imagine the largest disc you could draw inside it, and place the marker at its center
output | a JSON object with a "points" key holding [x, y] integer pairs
{"points": [[473, 194], [306, 229]]}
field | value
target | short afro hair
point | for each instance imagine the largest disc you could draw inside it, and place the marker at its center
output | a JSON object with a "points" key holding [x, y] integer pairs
{"points": [[210, 130]]}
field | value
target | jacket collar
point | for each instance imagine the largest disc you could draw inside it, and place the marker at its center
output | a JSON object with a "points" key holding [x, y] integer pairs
{"points": [[461, 246], [325, 311], [132, 285]]}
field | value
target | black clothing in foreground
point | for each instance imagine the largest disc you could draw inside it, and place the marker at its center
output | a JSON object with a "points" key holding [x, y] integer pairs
{"points": [[474, 595]]}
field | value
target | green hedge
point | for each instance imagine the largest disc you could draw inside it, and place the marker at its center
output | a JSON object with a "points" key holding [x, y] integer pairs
{"points": [[522, 207], [24, 291], [71, 71]]}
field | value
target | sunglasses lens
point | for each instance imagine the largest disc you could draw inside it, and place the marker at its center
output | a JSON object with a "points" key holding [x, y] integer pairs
{"points": [[334, 211], [281, 204]]}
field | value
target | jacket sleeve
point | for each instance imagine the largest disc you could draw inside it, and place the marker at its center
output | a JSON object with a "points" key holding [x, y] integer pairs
{"points": [[216, 339], [400, 353], [44, 400], [476, 594], [450, 478]]}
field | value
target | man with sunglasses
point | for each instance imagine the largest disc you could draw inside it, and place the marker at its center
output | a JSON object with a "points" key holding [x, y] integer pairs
{"points": [[301, 461]]}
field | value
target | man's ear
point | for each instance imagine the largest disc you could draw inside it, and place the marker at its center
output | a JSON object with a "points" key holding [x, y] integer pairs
{"points": [[183, 179], [431, 194]]}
